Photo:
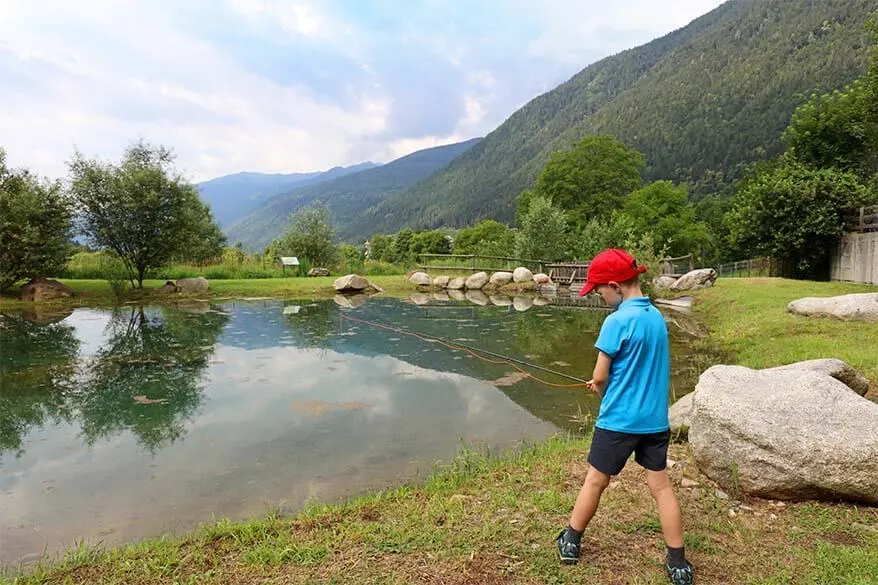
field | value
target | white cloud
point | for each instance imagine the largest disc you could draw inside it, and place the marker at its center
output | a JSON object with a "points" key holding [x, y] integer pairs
{"points": [[289, 86]]}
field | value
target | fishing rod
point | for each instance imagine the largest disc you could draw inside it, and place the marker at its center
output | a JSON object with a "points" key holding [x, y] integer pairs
{"points": [[475, 350]]}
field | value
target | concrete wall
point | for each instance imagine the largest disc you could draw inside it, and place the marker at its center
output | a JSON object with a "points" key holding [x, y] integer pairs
{"points": [[856, 259]]}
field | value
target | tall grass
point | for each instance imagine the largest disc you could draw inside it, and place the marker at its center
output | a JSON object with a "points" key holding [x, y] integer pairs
{"points": [[102, 266]]}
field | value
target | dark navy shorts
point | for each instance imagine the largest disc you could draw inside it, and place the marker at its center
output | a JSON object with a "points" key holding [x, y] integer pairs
{"points": [[610, 450]]}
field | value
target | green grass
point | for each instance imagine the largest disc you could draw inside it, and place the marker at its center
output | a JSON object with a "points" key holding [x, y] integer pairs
{"points": [[748, 317], [99, 292]]}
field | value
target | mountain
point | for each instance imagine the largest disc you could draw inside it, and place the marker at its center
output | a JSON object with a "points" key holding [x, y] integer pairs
{"points": [[699, 102], [347, 197], [232, 196]]}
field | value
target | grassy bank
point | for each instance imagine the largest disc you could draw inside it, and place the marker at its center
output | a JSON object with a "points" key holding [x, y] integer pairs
{"points": [[748, 318], [492, 520], [99, 292]]}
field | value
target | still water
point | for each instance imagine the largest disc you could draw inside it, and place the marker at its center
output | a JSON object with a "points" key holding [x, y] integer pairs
{"points": [[127, 423]]}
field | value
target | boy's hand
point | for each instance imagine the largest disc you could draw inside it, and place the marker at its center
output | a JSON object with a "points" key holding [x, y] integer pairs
{"points": [[593, 386]]}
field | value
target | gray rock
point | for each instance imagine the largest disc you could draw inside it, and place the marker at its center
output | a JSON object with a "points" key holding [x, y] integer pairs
{"points": [[853, 307], [441, 281], [350, 283], [541, 278], [192, 285], [841, 371], [501, 278], [678, 303], [457, 284], [680, 413], [542, 301], [420, 279], [44, 289], [476, 281], [375, 287], [788, 434], [522, 274], [477, 297], [167, 288], [441, 295], [318, 272], [664, 281], [701, 278]]}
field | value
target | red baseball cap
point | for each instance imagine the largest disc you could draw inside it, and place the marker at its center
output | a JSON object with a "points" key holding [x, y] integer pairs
{"points": [[611, 265]]}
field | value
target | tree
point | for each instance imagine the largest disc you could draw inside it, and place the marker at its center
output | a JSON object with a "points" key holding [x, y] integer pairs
{"points": [[592, 178], [205, 241], [35, 226], [662, 209], [488, 237], [141, 209], [794, 213], [402, 246], [310, 235], [543, 234], [431, 242], [380, 246]]}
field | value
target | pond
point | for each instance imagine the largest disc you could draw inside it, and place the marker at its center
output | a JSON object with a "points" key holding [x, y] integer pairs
{"points": [[120, 424]]}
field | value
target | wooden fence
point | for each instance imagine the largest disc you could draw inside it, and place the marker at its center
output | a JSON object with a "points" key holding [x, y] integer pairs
{"points": [[856, 258], [864, 219], [476, 263]]}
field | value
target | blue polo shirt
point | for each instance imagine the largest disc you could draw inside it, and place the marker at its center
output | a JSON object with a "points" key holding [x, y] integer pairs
{"points": [[636, 394]]}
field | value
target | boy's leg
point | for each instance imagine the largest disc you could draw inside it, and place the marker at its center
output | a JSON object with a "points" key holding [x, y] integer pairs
{"points": [[652, 454], [588, 499], [607, 456]]}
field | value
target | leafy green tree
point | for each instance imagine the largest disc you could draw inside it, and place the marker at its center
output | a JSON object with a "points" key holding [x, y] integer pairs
{"points": [[600, 234], [205, 240], [402, 246], [35, 226], [662, 209], [794, 213], [380, 246], [430, 242], [141, 209], [591, 179], [310, 235], [487, 235], [543, 234]]}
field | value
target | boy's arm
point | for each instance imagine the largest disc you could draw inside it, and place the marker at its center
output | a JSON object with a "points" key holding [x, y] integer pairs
{"points": [[601, 372]]}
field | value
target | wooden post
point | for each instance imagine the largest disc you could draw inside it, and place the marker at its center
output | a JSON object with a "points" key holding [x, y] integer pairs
{"points": [[862, 219]]}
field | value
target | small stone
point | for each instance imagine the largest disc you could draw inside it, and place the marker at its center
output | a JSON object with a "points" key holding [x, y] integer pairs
{"points": [[671, 463], [772, 516], [689, 483], [746, 508], [732, 513], [722, 495], [780, 505]]}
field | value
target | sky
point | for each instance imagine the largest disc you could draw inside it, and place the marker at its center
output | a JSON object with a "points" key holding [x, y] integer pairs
{"points": [[291, 86]]}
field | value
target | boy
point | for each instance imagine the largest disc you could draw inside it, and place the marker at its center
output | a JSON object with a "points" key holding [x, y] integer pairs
{"points": [[633, 376]]}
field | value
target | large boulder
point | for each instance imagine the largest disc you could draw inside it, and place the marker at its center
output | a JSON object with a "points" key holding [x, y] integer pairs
{"points": [[420, 279], [477, 281], [858, 306], [441, 281], [541, 278], [680, 414], [664, 281], [701, 278], [457, 284], [835, 368], [44, 289], [318, 272], [522, 274], [501, 278], [167, 288], [350, 283], [192, 285], [785, 434]]}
